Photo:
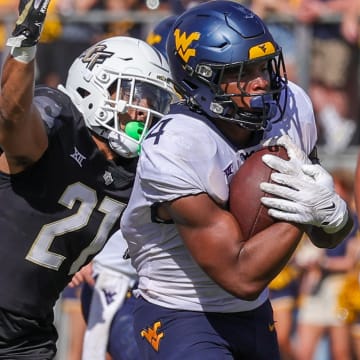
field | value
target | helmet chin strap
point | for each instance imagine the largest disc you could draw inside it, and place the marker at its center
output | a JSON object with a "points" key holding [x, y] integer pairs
{"points": [[262, 109], [123, 145]]}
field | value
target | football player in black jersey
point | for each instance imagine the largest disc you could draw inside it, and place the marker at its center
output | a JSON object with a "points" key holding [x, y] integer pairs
{"points": [[66, 170]]}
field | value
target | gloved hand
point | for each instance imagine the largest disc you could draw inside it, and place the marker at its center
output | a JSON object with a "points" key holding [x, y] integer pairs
{"points": [[297, 158], [29, 23], [305, 197]]}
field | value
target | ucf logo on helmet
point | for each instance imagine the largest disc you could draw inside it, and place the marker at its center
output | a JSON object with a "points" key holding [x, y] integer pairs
{"points": [[95, 55], [183, 42]]}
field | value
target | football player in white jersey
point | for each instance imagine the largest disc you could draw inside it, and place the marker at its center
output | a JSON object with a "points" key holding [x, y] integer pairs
{"points": [[202, 290]]}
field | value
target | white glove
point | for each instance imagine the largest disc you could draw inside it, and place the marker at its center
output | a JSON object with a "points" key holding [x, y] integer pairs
{"points": [[297, 158], [306, 197]]}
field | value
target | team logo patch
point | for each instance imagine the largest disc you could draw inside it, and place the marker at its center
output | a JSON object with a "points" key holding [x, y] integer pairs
{"points": [[229, 170], [95, 55], [78, 157], [153, 38], [183, 43], [109, 296], [108, 178], [153, 336], [260, 50]]}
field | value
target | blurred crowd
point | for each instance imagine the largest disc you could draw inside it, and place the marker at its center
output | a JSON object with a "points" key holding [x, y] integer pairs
{"points": [[316, 298]]}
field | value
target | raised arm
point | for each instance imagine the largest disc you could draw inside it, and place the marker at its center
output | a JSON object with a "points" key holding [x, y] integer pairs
{"points": [[23, 137]]}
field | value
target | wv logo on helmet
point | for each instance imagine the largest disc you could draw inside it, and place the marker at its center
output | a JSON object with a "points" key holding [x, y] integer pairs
{"points": [[183, 42]]}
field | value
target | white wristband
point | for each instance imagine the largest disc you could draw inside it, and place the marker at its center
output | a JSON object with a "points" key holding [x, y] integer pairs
{"points": [[23, 54]]}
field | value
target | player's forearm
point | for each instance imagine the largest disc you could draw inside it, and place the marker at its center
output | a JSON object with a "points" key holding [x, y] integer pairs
{"points": [[324, 240], [263, 257], [17, 82], [260, 260], [19, 71], [17, 87]]}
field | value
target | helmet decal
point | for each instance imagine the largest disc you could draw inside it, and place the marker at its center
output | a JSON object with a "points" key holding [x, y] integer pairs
{"points": [[153, 38], [261, 50], [159, 34], [183, 42], [95, 55]]}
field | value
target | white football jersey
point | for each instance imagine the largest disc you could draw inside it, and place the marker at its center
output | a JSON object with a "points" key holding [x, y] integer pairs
{"points": [[111, 257], [186, 155]]}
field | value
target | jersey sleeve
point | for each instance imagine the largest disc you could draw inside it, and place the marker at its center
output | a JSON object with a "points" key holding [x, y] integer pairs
{"points": [[177, 164]]}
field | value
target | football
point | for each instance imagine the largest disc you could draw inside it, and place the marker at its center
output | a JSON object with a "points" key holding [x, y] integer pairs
{"points": [[245, 192]]}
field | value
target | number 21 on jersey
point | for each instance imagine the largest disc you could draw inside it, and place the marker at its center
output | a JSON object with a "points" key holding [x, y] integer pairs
{"points": [[39, 252]]}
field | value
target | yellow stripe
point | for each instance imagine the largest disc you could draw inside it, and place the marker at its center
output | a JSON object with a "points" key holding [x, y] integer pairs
{"points": [[24, 13], [261, 50]]}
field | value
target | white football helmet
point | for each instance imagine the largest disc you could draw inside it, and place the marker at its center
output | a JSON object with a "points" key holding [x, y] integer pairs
{"points": [[135, 71]]}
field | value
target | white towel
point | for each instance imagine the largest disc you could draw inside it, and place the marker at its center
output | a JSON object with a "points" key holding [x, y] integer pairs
{"points": [[109, 293]]}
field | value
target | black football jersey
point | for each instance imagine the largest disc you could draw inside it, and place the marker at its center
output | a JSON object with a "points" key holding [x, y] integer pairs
{"points": [[56, 215]]}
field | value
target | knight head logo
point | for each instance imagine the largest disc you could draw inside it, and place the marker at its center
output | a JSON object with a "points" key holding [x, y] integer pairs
{"points": [[183, 44]]}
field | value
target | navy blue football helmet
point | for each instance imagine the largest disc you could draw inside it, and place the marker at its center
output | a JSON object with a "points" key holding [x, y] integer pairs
{"points": [[158, 36], [217, 36]]}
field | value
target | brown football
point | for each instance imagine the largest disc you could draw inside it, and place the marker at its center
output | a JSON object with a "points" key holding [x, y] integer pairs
{"points": [[245, 192]]}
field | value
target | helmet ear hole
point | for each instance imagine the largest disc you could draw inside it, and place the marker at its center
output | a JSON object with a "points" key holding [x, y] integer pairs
{"points": [[112, 87], [83, 92]]}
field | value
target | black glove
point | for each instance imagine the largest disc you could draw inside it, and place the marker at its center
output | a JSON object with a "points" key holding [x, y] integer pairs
{"points": [[29, 23]]}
